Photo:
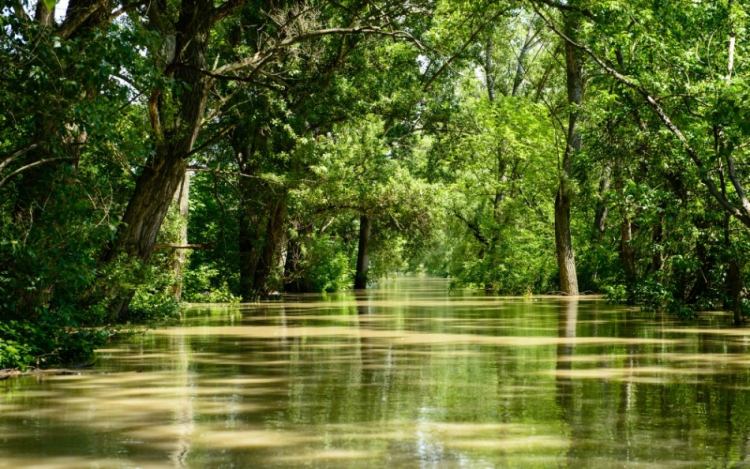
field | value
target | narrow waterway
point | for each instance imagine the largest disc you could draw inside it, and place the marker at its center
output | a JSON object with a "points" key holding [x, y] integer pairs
{"points": [[408, 375]]}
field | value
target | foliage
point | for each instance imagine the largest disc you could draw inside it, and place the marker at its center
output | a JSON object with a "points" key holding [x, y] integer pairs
{"points": [[25, 344], [442, 125]]}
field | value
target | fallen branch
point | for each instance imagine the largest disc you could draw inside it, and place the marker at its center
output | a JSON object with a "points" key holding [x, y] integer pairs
{"points": [[183, 246]]}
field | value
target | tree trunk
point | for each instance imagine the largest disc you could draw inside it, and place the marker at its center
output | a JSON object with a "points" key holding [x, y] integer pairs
{"points": [[657, 260], [600, 216], [734, 274], [175, 125], [292, 280], [360, 277], [43, 15], [734, 278], [489, 69], [249, 237], [627, 253], [182, 198], [563, 242], [702, 282], [268, 258], [521, 63]]}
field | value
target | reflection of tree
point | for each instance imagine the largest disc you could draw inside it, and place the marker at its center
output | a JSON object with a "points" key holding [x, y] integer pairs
{"points": [[627, 389], [366, 347], [376, 369], [184, 413], [566, 330]]}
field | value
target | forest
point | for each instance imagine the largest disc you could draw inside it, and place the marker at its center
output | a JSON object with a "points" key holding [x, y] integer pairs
{"points": [[161, 152]]}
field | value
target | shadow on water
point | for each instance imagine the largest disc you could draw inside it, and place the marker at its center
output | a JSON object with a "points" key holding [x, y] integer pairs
{"points": [[408, 375]]}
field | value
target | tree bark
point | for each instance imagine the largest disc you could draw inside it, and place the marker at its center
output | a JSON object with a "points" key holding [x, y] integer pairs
{"points": [[179, 259], [43, 15], [600, 215], [627, 253], [489, 69], [248, 253], [269, 255], [175, 127], [734, 274], [563, 242], [292, 282], [363, 258], [657, 260], [521, 63]]}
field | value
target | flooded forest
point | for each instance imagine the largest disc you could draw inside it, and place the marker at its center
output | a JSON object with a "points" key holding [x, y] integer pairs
{"points": [[364, 233]]}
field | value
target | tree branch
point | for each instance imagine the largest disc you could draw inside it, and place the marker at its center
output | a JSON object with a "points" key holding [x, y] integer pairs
{"points": [[474, 228], [463, 48], [115, 14], [72, 23], [742, 215], [20, 170], [183, 246], [211, 140], [8, 159], [566, 7], [203, 169], [226, 9], [258, 59]]}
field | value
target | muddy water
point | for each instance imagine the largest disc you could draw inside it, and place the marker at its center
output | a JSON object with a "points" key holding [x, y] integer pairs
{"points": [[408, 376]]}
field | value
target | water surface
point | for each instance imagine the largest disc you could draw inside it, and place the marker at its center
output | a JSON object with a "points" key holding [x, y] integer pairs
{"points": [[405, 376]]}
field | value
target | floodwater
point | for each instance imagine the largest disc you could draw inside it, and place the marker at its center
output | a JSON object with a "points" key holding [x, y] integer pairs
{"points": [[405, 376]]}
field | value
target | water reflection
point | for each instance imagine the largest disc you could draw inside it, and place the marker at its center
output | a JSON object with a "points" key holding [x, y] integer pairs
{"points": [[404, 376]]}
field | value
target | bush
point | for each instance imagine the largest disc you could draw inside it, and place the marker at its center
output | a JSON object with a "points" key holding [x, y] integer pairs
{"points": [[26, 345]]}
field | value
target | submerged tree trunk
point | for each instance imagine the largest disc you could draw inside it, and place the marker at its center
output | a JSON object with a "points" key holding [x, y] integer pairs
{"points": [[563, 242], [363, 260]]}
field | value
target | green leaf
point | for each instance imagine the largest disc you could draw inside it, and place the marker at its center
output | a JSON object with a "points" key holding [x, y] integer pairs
{"points": [[50, 4]]}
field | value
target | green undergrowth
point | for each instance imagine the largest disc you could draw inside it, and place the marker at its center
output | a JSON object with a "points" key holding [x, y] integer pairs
{"points": [[26, 344], [54, 339]]}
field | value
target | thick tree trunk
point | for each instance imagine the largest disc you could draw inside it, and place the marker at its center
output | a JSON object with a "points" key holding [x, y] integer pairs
{"points": [[148, 206], [249, 238], [563, 242], [363, 258], [734, 274], [269, 255], [175, 126], [564, 245]]}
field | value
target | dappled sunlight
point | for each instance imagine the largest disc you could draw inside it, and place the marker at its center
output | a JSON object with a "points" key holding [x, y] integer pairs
{"points": [[447, 382], [80, 463]]}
